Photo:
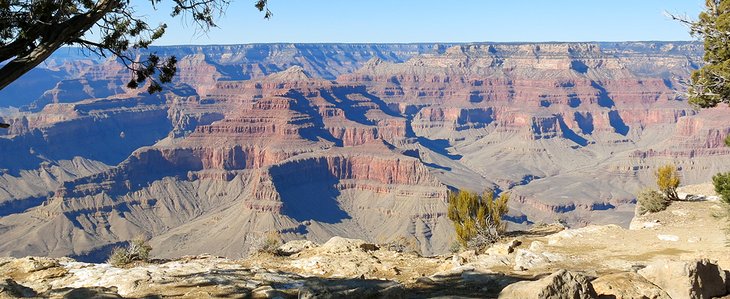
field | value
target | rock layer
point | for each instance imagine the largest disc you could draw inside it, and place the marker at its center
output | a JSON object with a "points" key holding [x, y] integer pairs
{"points": [[355, 140]]}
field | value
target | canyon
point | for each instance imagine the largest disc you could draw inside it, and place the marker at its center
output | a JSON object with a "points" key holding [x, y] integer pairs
{"points": [[357, 140]]}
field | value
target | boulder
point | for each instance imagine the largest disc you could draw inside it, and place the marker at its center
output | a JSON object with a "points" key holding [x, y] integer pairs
{"points": [[687, 279], [295, 246], [627, 285], [561, 284]]}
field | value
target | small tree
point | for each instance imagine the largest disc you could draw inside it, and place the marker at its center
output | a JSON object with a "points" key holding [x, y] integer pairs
{"points": [[722, 185], [475, 215], [496, 208], [710, 85], [31, 30], [667, 179]]}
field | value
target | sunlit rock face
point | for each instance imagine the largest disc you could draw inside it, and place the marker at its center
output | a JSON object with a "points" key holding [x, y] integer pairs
{"points": [[362, 141]]}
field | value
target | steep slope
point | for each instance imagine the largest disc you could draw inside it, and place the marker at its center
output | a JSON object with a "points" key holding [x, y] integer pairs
{"points": [[258, 138], [540, 119], [240, 166]]}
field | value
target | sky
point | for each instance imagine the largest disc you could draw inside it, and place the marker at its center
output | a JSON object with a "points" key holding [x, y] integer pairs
{"points": [[405, 21]]}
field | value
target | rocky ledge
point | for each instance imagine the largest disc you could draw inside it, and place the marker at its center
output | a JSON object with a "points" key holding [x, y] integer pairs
{"points": [[683, 254]]}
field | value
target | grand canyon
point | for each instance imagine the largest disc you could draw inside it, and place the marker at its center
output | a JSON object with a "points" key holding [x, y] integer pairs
{"points": [[355, 140]]}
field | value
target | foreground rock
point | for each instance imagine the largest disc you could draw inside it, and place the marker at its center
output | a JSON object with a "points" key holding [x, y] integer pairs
{"points": [[193, 277], [688, 279], [562, 284], [530, 265], [11, 289]]}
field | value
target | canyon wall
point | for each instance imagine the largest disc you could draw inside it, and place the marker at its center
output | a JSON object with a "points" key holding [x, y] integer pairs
{"points": [[363, 141]]}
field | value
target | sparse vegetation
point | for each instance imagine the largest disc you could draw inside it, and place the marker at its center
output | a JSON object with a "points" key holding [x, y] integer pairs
{"points": [[722, 185], [268, 244], [667, 179], [651, 201], [138, 250], [477, 218]]}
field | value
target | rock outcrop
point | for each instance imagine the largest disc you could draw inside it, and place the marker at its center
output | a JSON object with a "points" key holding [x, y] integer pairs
{"points": [[561, 284], [688, 279], [595, 265]]}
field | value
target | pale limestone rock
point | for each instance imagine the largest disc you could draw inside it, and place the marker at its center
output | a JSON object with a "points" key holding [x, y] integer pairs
{"points": [[669, 238], [499, 249], [636, 225], [503, 248], [457, 261], [104, 275], [296, 246], [537, 246], [487, 261], [468, 256], [448, 274], [343, 245], [627, 285], [526, 259], [555, 239], [561, 284], [38, 271], [697, 279]]}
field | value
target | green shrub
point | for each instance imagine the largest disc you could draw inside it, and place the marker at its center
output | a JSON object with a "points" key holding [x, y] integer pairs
{"points": [[722, 185], [137, 250], [651, 201], [475, 215], [667, 179]]}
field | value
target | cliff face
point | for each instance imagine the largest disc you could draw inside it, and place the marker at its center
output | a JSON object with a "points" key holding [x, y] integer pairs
{"points": [[355, 140]]}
